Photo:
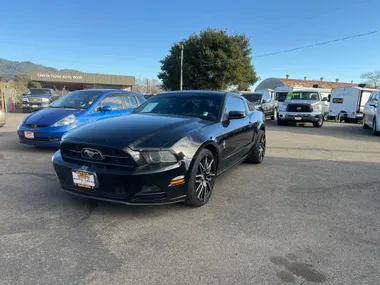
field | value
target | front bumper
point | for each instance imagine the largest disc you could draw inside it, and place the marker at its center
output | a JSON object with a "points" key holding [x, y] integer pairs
{"points": [[44, 136], [299, 117], [34, 106], [125, 185]]}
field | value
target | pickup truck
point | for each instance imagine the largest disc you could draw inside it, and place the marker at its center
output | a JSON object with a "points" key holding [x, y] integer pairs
{"points": [[263, 101], [37, 99], [303, 106]]}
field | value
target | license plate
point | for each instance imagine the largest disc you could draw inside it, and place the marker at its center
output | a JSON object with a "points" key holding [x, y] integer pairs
{"points": [[298, 118], [29, 135], [34, 106], [84, 179]]}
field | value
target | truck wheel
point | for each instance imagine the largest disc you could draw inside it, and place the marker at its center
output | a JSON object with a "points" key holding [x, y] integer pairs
{"points": [[319, 123], [365, 126], [274, 116], [375, 132]]}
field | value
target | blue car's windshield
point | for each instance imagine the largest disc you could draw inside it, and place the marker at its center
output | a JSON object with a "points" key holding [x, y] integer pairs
{"points": [[77, 99]]}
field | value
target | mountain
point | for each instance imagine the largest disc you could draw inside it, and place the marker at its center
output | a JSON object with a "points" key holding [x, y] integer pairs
{"points": [[10, 68]]}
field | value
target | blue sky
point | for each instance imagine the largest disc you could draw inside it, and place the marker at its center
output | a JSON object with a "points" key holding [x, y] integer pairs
{"points": [[130, 37]]}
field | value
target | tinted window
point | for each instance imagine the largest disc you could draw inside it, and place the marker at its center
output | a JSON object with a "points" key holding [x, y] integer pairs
{"points": [[202, 106], [115, 101], [235, 104], [253, 97], [77, 100], [281, 96]]}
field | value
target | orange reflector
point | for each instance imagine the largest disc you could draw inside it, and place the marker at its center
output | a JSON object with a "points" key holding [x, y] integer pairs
{"points": [[178, 181]]}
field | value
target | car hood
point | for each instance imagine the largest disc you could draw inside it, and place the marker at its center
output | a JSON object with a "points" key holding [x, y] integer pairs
{"points": [[311, 102], [136, 131], [49, 116]]}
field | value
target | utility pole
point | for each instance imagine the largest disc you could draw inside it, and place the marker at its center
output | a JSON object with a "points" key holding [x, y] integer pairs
{"points": [[181, 79], [147, 86]]}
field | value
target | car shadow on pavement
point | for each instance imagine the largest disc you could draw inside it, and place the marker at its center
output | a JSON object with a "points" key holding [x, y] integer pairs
{"points": [[341, 131]]}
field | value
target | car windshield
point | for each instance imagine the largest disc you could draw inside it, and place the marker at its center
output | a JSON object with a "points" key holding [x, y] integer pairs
{"points": [[45, 92], [206, 107], [253, 97], [303, 96], [77, 100]]}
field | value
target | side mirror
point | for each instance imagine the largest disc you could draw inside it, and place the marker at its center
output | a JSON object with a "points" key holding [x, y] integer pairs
{"points": [[325, 99], [106, 109], [233, 115]]}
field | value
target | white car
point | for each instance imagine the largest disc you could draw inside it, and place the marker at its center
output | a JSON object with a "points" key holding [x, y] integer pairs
{"points": [[371, 116]]}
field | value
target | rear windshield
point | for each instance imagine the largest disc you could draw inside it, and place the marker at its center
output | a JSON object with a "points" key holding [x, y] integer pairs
{"points": [[254, 97]]}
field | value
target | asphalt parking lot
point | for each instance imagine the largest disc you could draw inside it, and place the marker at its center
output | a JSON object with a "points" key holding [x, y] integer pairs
{"points": [[309, 214]]}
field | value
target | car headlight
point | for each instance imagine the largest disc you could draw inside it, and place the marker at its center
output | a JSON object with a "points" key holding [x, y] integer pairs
{"points": [[156, 157], [258, 107], [66, 121], [45, 100], [26, 100], [283, 106], [317, 107]]}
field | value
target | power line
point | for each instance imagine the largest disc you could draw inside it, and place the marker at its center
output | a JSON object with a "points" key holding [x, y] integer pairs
{"points": [[317, 44]]}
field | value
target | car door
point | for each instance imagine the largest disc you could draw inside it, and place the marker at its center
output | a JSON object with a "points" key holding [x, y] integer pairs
{"points": [[117, 102], [372, 102], [236, 134], [366, 111]]}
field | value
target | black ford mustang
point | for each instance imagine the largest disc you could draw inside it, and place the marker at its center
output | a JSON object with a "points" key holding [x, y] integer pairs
{"points": [[168, 150]]}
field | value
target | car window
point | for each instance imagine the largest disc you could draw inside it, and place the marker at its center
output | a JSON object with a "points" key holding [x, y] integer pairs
{"points": [[375, 97], [235, 104], [131, 101], [266, 97], [115, 101]]}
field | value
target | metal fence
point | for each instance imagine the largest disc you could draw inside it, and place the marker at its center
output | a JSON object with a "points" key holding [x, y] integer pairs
{"points": [[11, 97]]}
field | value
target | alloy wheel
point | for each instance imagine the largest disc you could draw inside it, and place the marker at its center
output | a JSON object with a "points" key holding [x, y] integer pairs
{"points": [[204, 179], [262, 146]]}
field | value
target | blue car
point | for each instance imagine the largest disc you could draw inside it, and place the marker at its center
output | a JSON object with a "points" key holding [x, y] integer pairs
{"points": [[46, 127]]}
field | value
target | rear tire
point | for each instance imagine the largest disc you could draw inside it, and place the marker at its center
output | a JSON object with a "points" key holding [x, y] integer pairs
{"points": [[375, 132], [258, 149], [319, 123], [201, 180], [365, 126]]}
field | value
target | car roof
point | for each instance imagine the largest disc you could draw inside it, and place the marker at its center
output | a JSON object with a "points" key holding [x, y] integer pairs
{"points": [[197, 92]]}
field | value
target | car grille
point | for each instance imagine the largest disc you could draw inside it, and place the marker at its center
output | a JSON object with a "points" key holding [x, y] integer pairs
{"points": [[299, 108], [35, 100], [111, 156], [35, 126]]}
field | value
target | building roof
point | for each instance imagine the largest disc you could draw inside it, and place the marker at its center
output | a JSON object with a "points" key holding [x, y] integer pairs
{"points": [[272, 83], [309, 83]]}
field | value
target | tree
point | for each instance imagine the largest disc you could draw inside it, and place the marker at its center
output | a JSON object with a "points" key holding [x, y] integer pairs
{"points": [[20, 83], [151, 86], [213, 60], [372, 78], [34, 84]]}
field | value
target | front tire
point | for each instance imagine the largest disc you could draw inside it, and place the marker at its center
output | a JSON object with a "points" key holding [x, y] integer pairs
{"points": [[281, 122], [258, 149], [375, 132], [274, 116], [319, 123], [202, 178], [365, 126]]}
